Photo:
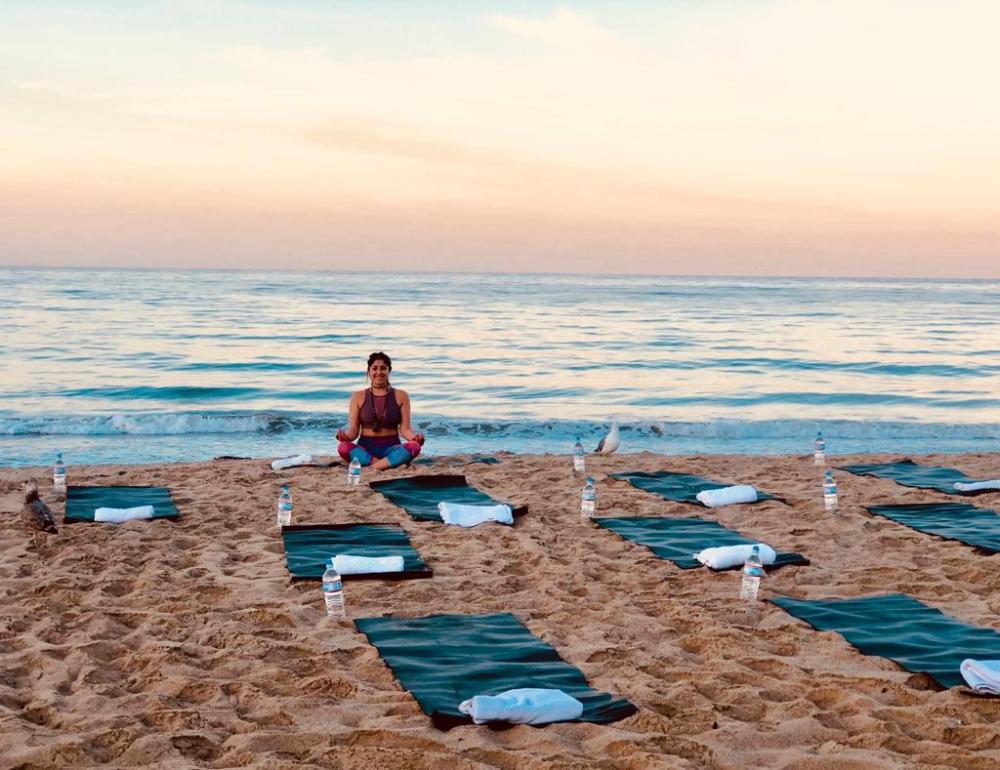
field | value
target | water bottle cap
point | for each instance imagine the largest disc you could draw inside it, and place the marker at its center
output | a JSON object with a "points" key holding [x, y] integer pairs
{"points": [[284, 487], [590, 479]]}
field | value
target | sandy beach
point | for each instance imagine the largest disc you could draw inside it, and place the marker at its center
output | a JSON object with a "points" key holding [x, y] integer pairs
{"points": [[184, 644]]}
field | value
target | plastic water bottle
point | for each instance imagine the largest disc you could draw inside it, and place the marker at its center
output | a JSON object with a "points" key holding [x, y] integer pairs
{"points": [[829, 492], [333, 592], [579, 458], [819, 453], [284, 507], [59, 474], [588, 500], [753, 571], [354, 473]]}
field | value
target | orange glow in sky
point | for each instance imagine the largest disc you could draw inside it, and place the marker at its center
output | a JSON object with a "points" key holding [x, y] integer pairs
{"points": [[792, 138]]}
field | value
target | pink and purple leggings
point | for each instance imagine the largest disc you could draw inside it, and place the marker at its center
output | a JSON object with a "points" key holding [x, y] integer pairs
{"points": [[369, 448]]}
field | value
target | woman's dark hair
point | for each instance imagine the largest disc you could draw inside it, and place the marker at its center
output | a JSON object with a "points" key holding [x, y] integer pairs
{"points": [[379, 356]]}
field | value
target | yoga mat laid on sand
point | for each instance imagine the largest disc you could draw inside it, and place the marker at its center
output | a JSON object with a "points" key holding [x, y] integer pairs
{"points": [[445, 659], [979, 527], [679, 487], [81, 502], [677, 540], [309, 546], [449, 460], [910, 474], [919, 638], [419, 495]]}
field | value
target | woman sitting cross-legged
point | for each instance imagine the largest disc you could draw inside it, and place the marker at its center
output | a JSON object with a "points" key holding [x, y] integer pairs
{"points": [[378, 417]]}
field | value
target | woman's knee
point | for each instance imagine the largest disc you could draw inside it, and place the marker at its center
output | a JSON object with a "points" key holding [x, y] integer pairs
{"points": [[350, 451], [413, 447], [398, 455]]}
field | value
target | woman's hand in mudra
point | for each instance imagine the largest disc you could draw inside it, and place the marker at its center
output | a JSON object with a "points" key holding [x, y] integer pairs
{"points": [[342, 435], [419, 438]]}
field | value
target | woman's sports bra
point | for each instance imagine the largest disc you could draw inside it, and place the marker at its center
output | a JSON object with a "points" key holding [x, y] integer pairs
{"points": [[380, 412]]}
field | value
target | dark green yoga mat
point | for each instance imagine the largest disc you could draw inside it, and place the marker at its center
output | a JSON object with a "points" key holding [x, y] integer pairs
{"points": [[81, 502], [677, 540], [680, 487], [445, 659], [979, 527], [419, 495], [309, 546], [484, 459], [910, 474], [919, 638]]}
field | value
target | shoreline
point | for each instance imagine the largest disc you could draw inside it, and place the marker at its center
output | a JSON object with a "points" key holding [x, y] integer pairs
{"points": [[26, 451], [184, 644]]}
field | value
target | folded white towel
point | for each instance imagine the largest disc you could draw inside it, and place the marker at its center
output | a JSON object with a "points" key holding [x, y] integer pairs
{"points": [[291, 462], [726, 556], [471, 515], [528, 706], [118, 515], [975, 486], [349, 564], [713, 498], [982, 675]]}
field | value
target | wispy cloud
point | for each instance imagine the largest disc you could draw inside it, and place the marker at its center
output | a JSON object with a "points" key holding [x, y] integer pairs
{"points": [[563, 28]]}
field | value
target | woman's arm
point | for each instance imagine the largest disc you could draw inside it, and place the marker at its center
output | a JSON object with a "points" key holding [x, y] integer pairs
{"points": [[353, 418], [407, 432]]}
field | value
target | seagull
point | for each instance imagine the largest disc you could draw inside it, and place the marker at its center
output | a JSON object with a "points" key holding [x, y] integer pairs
{"points": [[36, 515], [611, 441]]}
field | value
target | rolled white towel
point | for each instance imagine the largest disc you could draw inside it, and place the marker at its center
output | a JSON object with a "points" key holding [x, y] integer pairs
{"points": [[350, 564], [119, 515], [713, 498], [726, 556], [291, 462], [527, 706], [982, 675], [975, 486], [471, 515]]}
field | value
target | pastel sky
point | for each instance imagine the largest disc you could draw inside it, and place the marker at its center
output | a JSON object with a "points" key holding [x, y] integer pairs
{"points": [[790, 137]]}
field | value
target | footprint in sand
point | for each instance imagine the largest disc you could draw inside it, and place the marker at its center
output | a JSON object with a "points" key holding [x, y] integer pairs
{"points": [[199, 747], [118, 588]]}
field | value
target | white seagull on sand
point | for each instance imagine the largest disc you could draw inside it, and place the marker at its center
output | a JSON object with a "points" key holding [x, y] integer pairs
{"points": [[611, 441]]}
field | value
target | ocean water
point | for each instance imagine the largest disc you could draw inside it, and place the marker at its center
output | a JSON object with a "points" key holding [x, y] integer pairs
{"points": [[141, 366]]}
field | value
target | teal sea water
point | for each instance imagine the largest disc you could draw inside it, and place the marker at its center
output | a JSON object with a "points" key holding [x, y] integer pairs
{"points": [[138, 366]]}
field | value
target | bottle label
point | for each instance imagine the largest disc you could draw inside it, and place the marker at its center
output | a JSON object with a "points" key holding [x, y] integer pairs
{"points": [[749, 587], [330, 588]]}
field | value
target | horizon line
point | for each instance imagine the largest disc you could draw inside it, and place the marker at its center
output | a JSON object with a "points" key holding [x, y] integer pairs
{"points": [[332, 271]]}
